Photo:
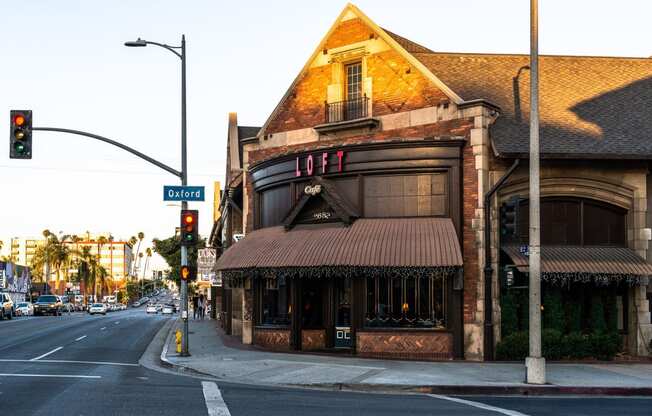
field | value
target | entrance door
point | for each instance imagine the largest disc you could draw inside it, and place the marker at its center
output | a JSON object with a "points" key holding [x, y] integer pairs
{"points": [[343, 296], [312, 313]]}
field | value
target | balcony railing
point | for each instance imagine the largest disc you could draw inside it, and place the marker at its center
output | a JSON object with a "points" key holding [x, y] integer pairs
{"points": [[347, 110]]}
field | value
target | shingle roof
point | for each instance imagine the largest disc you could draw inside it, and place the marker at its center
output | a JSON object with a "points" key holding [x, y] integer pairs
{"points": [[590, 107], [614, 261], [382, 242]]}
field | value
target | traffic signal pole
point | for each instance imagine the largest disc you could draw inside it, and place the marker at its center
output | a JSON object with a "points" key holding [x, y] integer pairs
{"points": [[184, 204]]}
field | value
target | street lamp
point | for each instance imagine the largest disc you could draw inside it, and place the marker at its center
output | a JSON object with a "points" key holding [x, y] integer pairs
{"points": [[184, 172]]}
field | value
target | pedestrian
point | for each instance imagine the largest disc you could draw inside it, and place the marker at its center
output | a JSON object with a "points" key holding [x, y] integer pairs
{"points": [[200, 305], [195, 310]]}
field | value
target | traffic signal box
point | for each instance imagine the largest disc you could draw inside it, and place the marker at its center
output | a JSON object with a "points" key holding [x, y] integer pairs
{"points": [[20, 134], [509, 232], [189, 227]]}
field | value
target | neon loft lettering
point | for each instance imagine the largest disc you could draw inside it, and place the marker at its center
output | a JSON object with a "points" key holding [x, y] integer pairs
{"points": [[309, 164]]}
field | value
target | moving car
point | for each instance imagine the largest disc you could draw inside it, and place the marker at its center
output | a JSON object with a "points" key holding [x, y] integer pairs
{"points": [[168, 310], [97, 308], [151, 309], [6, 306], [48, 305], [24, 309]]}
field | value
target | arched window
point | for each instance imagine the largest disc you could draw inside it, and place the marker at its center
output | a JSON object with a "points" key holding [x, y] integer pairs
{"points": [[576, 222]]}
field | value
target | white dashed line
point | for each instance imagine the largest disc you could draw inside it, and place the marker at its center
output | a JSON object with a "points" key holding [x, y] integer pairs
{"points": [[479, 405], [103, 328], [46, 354], [214, 402], [47, 375], [80, 338], [10, 360], [117, 322]]}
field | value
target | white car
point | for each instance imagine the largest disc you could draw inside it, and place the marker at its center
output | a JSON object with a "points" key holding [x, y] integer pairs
{"points": [[151, 309], [97, 308], [25, 309], [168, 310]]}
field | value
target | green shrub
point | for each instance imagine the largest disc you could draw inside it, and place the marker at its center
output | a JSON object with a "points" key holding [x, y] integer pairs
{"points": [[574, 317], [598, 323], [611, 309], [553, 312], [551, 343], [575, 346], [604, 346], [513, 347], [508, 314]]}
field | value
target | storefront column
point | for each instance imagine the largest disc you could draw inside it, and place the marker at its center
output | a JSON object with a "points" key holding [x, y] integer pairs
{"points": [[295, 316], [640, 328], [248, 312]]}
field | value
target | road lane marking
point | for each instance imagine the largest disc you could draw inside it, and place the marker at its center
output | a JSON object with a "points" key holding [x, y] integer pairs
{"points": [[48, 375], [46, 354], [11, 360], [214, 401], [103, 328], [117, 322], [479, 405], [80, 338]]}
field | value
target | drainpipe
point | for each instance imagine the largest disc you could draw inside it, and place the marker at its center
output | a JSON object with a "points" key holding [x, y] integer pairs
{"points": [[488, 270]]}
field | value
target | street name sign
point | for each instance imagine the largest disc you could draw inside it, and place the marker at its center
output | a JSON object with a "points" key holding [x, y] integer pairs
{"points": [[183, 193]]}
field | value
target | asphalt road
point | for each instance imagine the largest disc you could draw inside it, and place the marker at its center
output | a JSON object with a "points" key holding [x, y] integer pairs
{"points": [[88, 365]]}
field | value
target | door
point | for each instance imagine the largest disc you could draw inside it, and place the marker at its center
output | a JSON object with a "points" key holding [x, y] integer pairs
{"points": [[343, 295]]}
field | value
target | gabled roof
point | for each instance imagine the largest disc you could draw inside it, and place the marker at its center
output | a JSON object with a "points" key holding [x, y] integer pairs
{"points": [[590, 107], [394, 41]]}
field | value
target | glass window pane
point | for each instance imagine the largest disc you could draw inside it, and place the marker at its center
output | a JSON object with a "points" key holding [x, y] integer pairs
{"points": [[397, 299]]}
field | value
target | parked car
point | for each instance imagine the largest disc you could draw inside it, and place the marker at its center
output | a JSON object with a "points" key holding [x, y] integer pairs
{"points": [[24, 309], [97, 308], [67, 306], [135, 304], [168, 310], [6, 306], [48, 305], [151, 309]]}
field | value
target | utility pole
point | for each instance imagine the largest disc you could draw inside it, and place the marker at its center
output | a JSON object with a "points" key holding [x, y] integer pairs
{"points": [[535, 364], [184, 204]]}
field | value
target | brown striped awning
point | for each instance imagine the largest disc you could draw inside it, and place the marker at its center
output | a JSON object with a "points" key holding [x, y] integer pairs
{"points": [[604, 261], [376, 243]]}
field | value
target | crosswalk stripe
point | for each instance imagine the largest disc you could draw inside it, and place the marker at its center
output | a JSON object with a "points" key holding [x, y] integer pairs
{"points": [[214, 402]]}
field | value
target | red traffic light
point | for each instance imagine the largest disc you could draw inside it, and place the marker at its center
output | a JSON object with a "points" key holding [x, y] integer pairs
{"points": [[188, 219], [19, 119]]}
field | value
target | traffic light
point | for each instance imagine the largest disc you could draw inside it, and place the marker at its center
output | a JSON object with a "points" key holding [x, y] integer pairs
{"points": [[509, 232], [20, 135], [189, 227], [187, 273]]}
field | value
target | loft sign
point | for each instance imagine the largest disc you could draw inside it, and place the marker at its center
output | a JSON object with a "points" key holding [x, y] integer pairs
{"points": [[318, 164], [183, 193]]}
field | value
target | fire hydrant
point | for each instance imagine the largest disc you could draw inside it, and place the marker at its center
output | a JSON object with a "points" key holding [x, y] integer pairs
{"points": [[178, 341]]}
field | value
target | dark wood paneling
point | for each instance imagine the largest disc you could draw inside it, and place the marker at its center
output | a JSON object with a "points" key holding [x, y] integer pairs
{"points": [[275, 203]]}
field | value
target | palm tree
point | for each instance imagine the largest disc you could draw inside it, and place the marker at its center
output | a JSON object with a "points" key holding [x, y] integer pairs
{"points": [[110, 240], [100, 242], [141, 235], [86, 265], [132, 243], [148, 251]]}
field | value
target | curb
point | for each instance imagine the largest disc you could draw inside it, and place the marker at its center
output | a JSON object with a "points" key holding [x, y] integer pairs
{"points": [[477, 390], [167, 363]]}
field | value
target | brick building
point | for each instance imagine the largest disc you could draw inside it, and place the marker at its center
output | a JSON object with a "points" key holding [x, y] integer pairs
{"points": [[362, 195]]}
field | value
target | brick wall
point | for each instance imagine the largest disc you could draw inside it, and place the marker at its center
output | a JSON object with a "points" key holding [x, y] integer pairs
{"points": [[469, 245], [396, 85], [313, 339], [272, 338], [421, 345]]}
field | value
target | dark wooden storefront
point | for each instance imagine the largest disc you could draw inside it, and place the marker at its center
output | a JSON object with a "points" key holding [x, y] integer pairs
{"points": [[329, 310]]}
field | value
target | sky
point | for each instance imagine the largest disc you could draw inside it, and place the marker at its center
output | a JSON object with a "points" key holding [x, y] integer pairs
{"points": [[65, 60]]}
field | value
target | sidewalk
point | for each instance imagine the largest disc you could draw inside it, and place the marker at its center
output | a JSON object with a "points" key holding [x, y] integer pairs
{"points": [[211, 356]]}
